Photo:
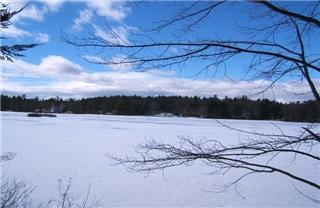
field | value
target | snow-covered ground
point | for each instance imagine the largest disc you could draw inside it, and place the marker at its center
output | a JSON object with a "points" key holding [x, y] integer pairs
{"points": [[74, 146]]}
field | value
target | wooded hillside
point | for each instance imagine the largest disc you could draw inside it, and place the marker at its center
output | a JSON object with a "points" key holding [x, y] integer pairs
{"points": [[228, 108]]}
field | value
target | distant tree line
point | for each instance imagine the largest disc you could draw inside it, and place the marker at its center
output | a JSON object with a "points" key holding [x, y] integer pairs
{"points": [[227, 108]]}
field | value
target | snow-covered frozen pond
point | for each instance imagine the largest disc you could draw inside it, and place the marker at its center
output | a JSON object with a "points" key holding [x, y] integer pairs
{"points": [[74, 146]]}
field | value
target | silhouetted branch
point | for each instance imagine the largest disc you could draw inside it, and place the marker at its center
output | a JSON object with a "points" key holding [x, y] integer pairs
{"points": [[283, 11], [188, 14], [277, 46], [154, 155], [271, 59]]}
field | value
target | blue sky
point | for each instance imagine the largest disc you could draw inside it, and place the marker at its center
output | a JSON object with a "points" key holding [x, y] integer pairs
{"points": [[58, 69]]}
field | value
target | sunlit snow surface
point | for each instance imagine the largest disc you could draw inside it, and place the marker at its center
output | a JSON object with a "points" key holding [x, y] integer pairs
{"points": [[74, 146]]}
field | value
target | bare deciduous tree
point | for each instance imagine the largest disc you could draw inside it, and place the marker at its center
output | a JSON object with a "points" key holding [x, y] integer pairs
{"points": [[279, 47], [16, 194], [66, 200], [155, 155], [274, 55]]}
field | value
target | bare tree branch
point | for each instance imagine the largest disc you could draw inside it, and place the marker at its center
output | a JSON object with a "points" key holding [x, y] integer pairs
{"points": [[278, 48], [277, 9]]}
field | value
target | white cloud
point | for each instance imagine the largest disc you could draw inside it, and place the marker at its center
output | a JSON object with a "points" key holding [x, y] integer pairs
{"points": [[117, 66], [42, 38], [95, 59], [59, 65], [30, 12], [53, 5], [102, 34], [121, 67], [85, 17], [115, 35], [71, 80], [14, 32], [114, 10], [52, 66]]}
